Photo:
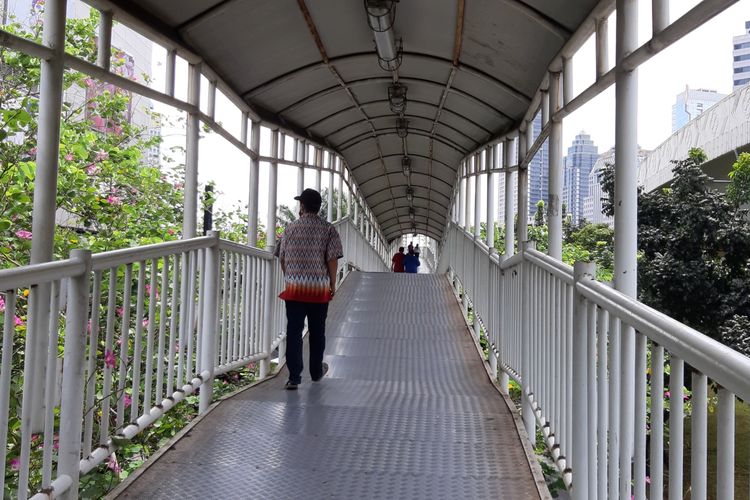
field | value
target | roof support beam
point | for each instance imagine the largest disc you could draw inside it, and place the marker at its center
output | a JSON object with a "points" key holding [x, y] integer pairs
{"points": [[321, 48]]}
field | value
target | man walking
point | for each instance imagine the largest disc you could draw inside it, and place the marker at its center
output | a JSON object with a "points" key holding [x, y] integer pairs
{"points": [[309, 253]]}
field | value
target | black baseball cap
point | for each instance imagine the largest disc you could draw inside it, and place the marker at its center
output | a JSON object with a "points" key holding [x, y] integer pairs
{"points": [[311, 199]]}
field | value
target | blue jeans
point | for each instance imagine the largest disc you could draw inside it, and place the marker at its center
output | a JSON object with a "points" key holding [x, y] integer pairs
{"points": [[316, 324]]}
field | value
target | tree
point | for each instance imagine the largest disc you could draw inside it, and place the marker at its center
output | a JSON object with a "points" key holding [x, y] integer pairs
{"points": [[694, 247], [539, 219], [107, 193], [738, 191]]}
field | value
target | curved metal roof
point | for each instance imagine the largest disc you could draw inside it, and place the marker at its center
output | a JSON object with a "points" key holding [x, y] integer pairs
{"points": [[471, 68]]}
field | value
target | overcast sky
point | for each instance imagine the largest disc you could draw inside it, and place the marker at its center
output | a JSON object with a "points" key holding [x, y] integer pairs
{"points": [[703, 59]]}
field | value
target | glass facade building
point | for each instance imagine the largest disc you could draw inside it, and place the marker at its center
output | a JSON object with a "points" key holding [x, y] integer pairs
{"points": [[582, 155]]}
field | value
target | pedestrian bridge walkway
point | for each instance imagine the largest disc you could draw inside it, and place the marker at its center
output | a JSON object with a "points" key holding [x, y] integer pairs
{"points": [[406, 411]]}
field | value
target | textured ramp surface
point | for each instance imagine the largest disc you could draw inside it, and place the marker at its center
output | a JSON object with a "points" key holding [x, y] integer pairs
{"points": [[406, 411]]}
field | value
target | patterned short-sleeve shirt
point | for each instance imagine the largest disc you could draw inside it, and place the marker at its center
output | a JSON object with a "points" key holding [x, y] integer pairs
{"points": [[307, 246]]}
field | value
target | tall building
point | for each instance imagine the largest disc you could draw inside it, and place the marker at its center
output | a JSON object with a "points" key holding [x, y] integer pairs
{"points": [[592, 203], [741, 53], [538, 172], [692, 102], [582, 155]]}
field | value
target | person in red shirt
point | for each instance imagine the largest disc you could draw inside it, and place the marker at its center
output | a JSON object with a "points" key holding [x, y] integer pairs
{"points": [[397, 262]]}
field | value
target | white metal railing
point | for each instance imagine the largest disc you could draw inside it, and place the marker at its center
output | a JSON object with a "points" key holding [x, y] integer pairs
{"points": [[588, 358], [144, 328], [358, 252]]}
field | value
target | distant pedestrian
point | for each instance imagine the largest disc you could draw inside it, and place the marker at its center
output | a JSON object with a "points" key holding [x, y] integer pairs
{"points": [[308, 254], [397, 262], [411, 262], [416, 250]]}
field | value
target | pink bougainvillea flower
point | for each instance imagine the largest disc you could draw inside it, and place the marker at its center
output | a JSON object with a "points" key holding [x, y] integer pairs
{"points": [[88, 327], [170, 232], [15, 463], [55, 445], [92, 169], [2, 303], [109, 359], [127, 400], [120, 311], [32, 151], [24, 234], [177, 346], [117, 130], [89, 82], [667, 394], [177, 185], [101, 155], [114, 200], [69, 157], [145, 322], [113, 465], [18, 321]]}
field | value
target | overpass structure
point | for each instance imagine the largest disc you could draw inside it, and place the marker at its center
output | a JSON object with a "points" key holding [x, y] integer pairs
{"points": [[722, 132], [414, 108]]}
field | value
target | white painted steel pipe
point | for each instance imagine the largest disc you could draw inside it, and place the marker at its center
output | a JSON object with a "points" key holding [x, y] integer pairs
{"points": [[210, 321], [273, 172], [104, 42], [508, 153], [477, 198], [252, 202], [192, 138], [489, 161], [725, 446], [71, 409], [554, 214], [602, 47], [698, 437], [523, 189], [676, 427]]}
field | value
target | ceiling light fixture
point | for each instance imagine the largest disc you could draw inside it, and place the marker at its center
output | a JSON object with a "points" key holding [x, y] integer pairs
{"points": [[397, 98], [381, 15], [410, 194], [411, 214], [406, 165], [402, 127]]}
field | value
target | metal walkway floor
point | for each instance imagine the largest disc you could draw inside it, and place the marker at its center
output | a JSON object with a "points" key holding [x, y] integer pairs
{"points": [[406, 411]]}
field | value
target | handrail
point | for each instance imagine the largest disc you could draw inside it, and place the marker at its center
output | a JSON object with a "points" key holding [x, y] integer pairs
{"points": [[244, 249], [37, 274], [726, 366], [114, 258], [574, 344]]}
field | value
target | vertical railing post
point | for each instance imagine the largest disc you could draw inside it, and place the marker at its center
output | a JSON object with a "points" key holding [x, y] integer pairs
{"points": [[189, 222], [273, 173], [509, 231], [581, 271], [340, 202], [477, 198], [522, 231], [527, 412], [71, 408], [489, 161], [554, 215], [318, 165], [269, 296], [252, 202], [210, 322], [331, 165], [626, 226]]}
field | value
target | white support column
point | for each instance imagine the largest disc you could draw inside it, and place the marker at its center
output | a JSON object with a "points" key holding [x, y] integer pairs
{"points": [[318, 165], [489, 162], [602, 48], [355, 210], [659, 15], [330, 187], [545, 107], [349, 198], [301, 170], [170, 74], [477, 198], [461, 196], [467, 198], [189, 221], [340, 204], [567, 80], [272, 184], [554, 215], [626, 205], [104, 43], [211, 105], [45, 205], [508, 151], [523, 186], [252, 199], [210, 321]]}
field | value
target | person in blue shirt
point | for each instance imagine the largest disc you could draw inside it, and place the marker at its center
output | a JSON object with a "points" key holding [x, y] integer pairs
{"points": [[411, 261]]}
